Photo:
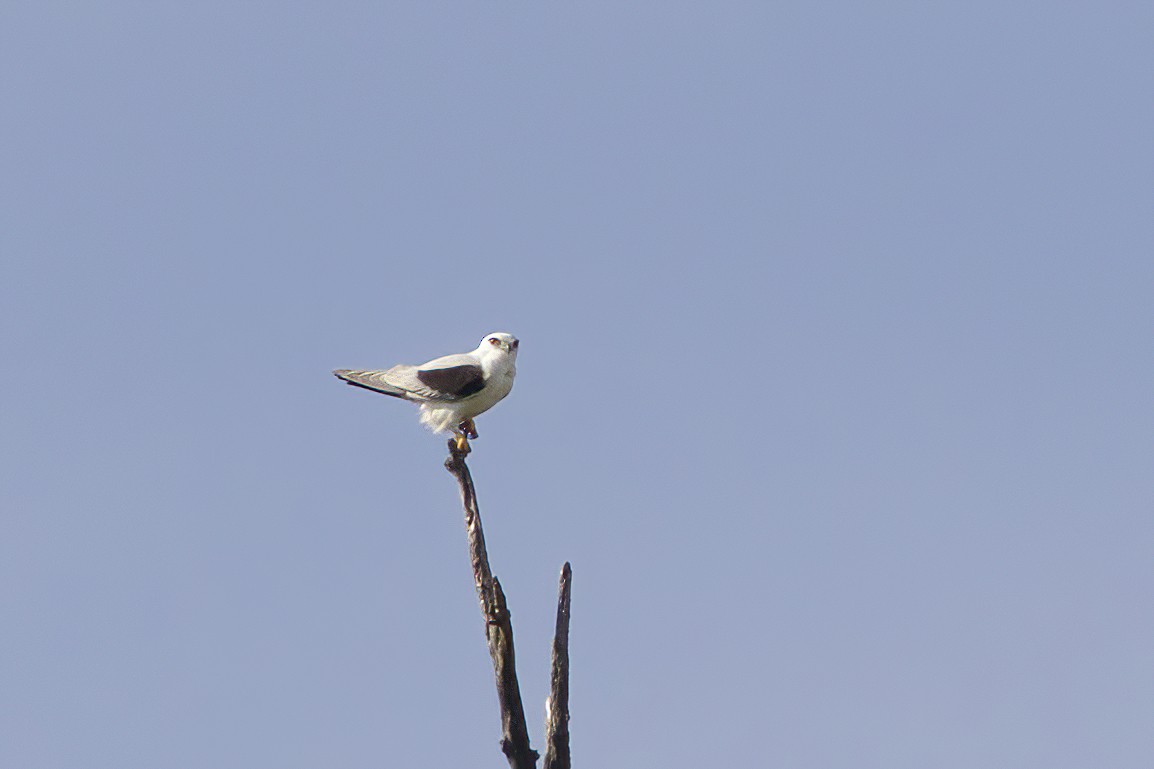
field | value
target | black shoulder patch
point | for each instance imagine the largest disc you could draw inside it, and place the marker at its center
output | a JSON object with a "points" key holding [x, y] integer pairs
{"points": [[460, 381]]}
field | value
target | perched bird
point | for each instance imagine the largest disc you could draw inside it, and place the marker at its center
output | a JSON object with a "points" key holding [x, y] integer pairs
{"points": [[451, 390]]}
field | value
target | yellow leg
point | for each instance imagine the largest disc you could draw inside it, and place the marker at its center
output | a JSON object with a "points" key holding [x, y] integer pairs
{"points": [[462, 443]]}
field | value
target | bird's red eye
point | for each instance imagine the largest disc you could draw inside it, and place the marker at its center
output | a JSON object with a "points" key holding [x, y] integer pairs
{"points": [[494, 341]]}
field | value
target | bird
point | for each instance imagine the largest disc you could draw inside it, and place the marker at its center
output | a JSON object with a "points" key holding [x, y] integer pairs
{"points": [[452, 390]]}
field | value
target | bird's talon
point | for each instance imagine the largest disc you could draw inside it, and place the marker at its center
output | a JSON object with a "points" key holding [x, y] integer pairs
{"points": [[462, 444]]}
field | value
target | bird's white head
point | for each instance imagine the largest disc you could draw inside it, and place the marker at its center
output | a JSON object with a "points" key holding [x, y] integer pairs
{"points": [[499, 343]]}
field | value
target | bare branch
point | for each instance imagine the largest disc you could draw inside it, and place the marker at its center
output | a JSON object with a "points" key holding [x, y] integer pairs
{"points": [[557, 708], [498, 626]]}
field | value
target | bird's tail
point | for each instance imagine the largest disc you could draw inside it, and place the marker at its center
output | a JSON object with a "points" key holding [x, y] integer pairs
{"points": [[370, 380]]}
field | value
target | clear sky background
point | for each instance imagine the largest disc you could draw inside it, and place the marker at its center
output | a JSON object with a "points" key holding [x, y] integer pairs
{"points": [[835, 381]]}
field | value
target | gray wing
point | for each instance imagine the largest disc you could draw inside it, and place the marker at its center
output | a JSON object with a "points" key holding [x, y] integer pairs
{"points": [[371, 380], [445, 379]]}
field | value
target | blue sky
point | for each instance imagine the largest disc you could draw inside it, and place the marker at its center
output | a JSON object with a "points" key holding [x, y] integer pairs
{"points": [[834, 387]]}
